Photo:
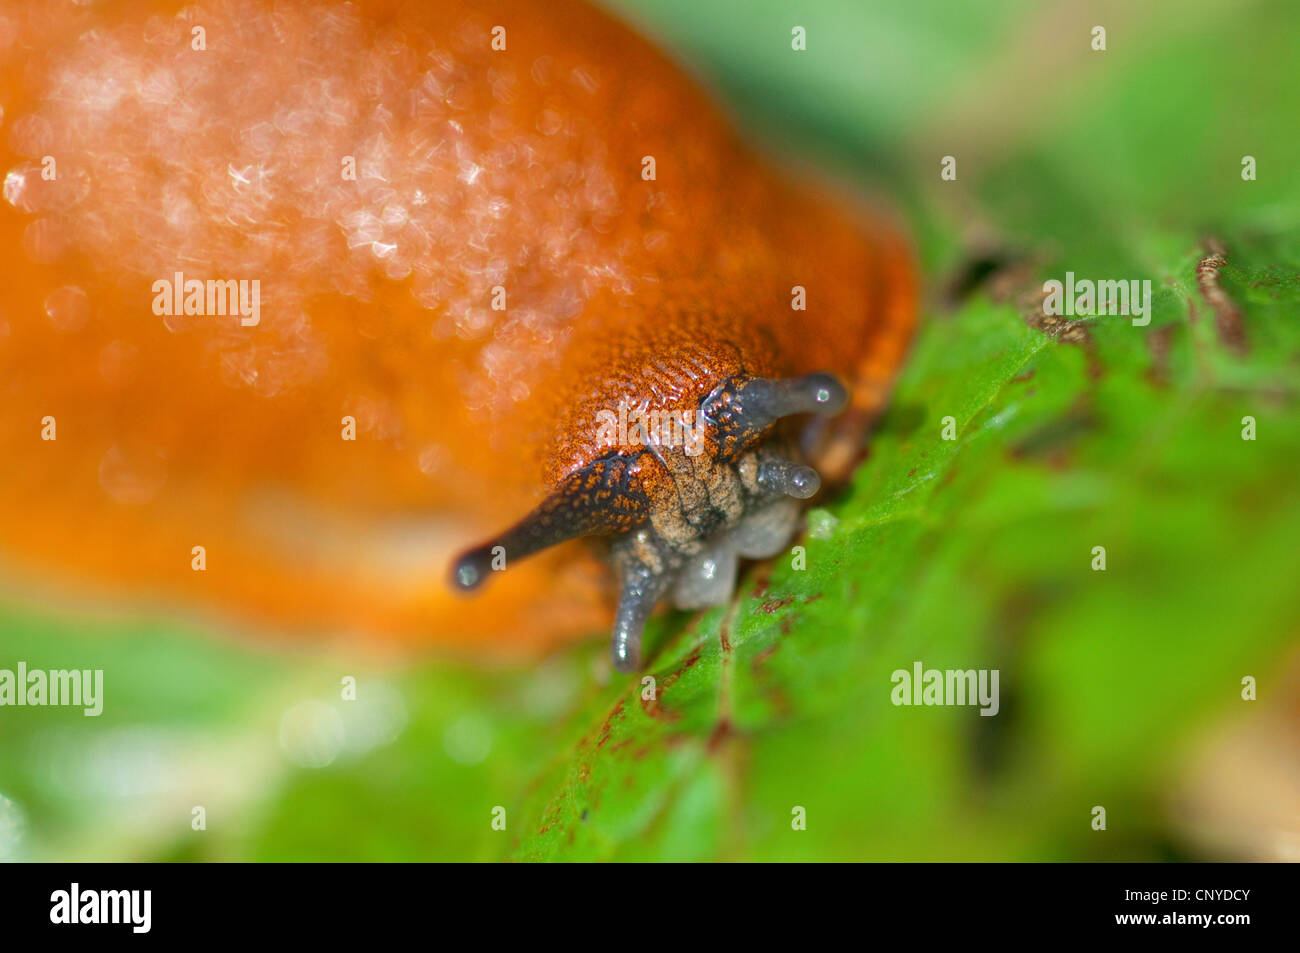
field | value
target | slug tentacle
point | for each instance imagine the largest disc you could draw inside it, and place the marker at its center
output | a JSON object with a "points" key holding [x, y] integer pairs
{"points": [[603, 498], [646, 571], [743, 408], [790, 479]]}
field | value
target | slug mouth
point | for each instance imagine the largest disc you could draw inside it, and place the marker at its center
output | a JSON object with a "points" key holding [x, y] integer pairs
{"points": [[679, 523]]}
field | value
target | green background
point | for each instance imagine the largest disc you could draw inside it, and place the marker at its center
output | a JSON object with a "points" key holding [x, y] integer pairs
{"points": [[969, 553]]}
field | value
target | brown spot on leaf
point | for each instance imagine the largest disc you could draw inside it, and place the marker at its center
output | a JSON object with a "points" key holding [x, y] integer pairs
{"points": [[772, 605], [1069, 331], [615, 713], [1227, 316], [654, 706], [1065, 330]]}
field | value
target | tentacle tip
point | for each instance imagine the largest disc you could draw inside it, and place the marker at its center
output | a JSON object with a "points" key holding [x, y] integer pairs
{"points": [[790, 479], [828, 394], [626, 659], [803, 483], [470, 571]]}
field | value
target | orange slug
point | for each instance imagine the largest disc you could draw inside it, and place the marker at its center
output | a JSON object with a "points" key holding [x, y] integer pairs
{"points": [[312, 306]]}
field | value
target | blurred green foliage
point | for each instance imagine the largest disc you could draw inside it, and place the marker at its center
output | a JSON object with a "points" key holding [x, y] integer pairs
{"points": [[971, 553]]}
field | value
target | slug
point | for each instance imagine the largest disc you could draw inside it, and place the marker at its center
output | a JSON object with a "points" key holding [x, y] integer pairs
{"points": [[317, 313]]}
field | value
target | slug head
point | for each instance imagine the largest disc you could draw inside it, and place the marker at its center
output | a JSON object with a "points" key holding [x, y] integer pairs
{"points": [[678, 520]]}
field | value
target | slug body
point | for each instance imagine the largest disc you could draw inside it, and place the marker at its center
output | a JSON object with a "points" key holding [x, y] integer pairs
{"points": [[517, 282]]}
